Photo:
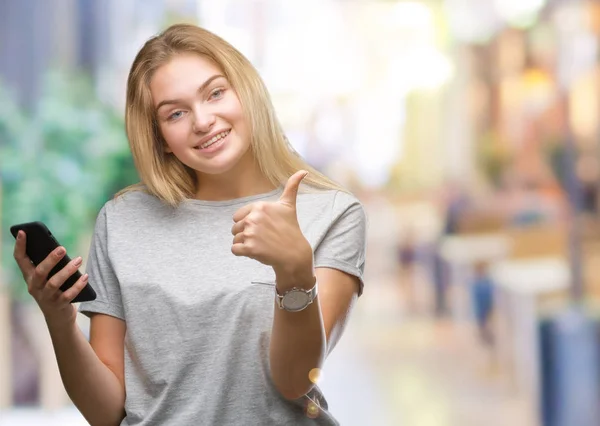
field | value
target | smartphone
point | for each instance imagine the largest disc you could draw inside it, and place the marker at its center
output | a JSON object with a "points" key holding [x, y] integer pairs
{"points": [[40, 243]]}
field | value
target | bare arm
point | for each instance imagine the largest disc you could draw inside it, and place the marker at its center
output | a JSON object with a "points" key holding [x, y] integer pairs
{"points": [[301, 340], [93, 372], [269, 232]]}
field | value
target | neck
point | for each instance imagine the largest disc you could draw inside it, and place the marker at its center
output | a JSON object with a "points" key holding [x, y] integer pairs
{"points": [[244, 180]]}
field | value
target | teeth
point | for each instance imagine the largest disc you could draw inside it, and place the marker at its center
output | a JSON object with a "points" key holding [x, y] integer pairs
{"points": [[214, 139]]}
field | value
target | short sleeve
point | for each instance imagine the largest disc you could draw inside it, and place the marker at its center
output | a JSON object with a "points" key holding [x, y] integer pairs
{"points": [[101, 274], [344, 244]]}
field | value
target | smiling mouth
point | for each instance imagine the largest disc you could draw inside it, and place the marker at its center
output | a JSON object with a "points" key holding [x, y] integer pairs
{"points": [[213, 140]]}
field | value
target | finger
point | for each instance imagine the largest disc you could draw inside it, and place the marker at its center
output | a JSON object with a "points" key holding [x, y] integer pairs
{"points": [[241, 249], [21, 257], [247, 248], [74, 291], [238, 227], [290, 192], [61, 276], [242, 212], [239, 238], [43, 269]]}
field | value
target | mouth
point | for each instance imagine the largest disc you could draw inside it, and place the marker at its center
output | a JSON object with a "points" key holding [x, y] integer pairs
{"points": [[216, 138]]}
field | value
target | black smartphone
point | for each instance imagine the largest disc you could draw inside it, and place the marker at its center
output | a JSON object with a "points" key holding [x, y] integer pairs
{"points": [[40, 243]]}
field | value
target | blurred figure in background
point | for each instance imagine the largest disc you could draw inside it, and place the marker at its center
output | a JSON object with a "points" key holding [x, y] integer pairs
{"points": [[407, 261], [482, 299]]}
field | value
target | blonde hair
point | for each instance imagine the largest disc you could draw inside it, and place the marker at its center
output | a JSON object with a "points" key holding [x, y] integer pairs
{"points": [[162, 174]]}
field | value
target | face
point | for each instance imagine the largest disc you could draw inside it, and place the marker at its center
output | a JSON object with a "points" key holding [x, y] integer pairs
{"points": [[199, 115]]}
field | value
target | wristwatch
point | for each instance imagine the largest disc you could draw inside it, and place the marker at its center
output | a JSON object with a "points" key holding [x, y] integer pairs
{"points": [[296, 299]]}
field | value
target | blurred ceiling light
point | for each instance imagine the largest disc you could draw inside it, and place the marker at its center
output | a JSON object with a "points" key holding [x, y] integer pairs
{"points": [[471, 21], [380, 120], [420, 68], [521, 13], [409, 14], [321, 62]]}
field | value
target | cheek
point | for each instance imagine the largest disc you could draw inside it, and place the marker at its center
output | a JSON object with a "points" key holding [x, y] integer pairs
{"points": [[174, 135], [234, 111], [237, 118]]}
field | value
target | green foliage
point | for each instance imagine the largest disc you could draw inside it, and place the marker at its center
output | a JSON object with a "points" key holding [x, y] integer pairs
{"points": [[59, 164]]}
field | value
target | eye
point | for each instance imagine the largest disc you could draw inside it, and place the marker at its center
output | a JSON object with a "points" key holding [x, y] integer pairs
{"points": [[175, 115], [217, 93]]}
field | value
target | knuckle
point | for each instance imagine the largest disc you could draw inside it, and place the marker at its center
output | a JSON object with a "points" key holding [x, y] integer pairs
{"points": [[254, 217], [52, 284], [38, 272]]}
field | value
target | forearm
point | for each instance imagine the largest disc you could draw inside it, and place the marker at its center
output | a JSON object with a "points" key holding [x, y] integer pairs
{"points": [[92, 386], [298, 343]]}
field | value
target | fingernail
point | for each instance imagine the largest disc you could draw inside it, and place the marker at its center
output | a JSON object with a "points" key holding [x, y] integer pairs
{"points": [[19, 235], [60, 251], [77, 261], [85, 277]]}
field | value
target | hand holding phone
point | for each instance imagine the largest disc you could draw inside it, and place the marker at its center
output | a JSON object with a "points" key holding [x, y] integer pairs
{"points": [[53, 279]]}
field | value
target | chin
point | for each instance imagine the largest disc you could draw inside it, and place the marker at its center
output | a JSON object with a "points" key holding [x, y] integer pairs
{"points": [[218, 166]]}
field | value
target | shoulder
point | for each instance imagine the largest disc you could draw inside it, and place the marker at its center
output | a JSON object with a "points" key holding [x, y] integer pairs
{"points": [[331, 202], [137, 201], [132, 207]]}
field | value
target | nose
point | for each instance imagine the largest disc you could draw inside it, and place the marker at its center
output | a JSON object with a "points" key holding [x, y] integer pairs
{"points": [[203, 121]]}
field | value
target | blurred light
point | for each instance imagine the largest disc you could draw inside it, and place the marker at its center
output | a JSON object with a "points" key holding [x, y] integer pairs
{"points": [[539, 88], [314, 375], [473, 21], [312, 410], [378, 130], [477, 21], [409, 15], [420, 68], [314, 55], [522, 13], [230, 20]]}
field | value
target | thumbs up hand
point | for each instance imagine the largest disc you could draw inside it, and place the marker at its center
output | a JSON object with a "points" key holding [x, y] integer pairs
{"points": [[269, 232]]}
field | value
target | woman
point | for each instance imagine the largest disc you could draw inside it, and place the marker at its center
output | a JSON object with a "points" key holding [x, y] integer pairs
{"points": [[226, 276]]}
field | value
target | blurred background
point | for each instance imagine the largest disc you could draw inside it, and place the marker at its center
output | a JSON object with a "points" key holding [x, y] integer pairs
{"points": [[470, 130]]}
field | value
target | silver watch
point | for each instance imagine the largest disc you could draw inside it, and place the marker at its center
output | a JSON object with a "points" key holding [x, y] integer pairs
{"points": [[296, 299]]}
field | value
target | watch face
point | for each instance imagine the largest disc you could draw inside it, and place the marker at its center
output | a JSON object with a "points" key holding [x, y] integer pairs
{"points": [[295, 300]]}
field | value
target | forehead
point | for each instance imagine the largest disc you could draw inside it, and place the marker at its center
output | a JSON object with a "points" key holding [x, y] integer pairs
{"points": [[182, 74]]}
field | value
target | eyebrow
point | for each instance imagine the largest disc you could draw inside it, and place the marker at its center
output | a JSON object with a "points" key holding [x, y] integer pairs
{"points": [[202, 87]]}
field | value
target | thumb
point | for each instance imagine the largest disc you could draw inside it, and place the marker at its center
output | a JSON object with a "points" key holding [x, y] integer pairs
{"points": [[290, 192]]}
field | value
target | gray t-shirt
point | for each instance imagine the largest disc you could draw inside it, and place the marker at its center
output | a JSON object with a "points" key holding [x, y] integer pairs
{"points": [[199, 318]]}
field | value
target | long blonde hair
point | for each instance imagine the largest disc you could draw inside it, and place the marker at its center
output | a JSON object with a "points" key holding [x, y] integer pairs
{"points": [[162, 174]]}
